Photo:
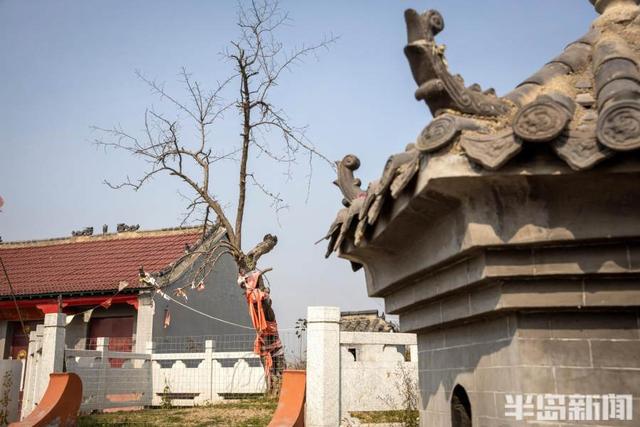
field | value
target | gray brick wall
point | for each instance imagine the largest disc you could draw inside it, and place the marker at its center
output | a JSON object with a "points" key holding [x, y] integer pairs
{"points": [[561, 353]]}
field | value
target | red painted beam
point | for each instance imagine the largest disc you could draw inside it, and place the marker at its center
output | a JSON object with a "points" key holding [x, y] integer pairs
{"points": [[50, 305]]}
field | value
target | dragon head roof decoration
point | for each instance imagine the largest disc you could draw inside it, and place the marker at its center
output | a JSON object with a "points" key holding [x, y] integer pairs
{"points": [[583, 105]]}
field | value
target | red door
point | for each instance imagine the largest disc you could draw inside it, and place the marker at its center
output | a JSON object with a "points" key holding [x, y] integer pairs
{"points": [[119, 330], [20, 341]]}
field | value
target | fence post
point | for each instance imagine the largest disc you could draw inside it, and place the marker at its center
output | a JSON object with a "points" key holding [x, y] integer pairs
{"points": [[144, 322], [102, 345], [150, 348], [52, 359], [323, 367], [31, 370], [208, 363]]}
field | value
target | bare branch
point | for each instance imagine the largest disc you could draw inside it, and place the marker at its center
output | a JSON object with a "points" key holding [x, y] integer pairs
{"points": [[168, 146]]}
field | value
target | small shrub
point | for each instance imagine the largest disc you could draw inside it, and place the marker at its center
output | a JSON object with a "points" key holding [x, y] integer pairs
{"points": [[407, 388], [165, 400]]}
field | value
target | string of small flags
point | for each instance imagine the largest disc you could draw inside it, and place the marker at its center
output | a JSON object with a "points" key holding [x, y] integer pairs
{"points": [[200, 286], [86, 314], [167, 314]]}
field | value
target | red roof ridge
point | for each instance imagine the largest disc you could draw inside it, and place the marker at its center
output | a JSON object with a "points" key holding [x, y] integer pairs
{"points": [[102, 237]]}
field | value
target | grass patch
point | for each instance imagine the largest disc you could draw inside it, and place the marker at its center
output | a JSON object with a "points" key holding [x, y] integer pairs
{"points": [[259, 403], [260, 420], [241, 413], [379, 417]]}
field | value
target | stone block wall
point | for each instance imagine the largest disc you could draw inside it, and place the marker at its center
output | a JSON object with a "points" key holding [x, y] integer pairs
{"points": [[587, 353]]}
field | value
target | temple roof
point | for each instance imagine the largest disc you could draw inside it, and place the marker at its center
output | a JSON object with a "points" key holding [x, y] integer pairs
{"points": [[365, 321], [583, 106], [91, 263]]}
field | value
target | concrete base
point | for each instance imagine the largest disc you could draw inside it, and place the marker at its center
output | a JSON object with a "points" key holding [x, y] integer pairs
{"points": [[567, 353], [525, 280]]}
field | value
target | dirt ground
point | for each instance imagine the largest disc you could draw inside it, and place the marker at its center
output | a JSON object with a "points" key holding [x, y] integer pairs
{"points": [[245, 413]]}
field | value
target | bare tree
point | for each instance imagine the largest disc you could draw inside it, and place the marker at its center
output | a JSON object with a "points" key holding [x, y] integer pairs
{"points": [[259, 61]]}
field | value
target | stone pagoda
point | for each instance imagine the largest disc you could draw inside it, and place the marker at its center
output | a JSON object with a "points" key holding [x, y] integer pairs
{"points": [[508, 235]]}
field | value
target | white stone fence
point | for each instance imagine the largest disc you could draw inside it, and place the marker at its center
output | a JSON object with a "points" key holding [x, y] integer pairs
{"points": [[116, 379], [354, 371], [189, 379], [111, 379], [10, 378], [45, 355]]}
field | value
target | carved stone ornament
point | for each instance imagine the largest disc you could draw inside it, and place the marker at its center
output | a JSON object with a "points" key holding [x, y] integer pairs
{"points": [[391, 169], [602, 5], [352, 213], [123, 228], [372, 190], [406, 172], [442, 131], [375, 209], [359, 235], [334, 230], [348, 184], [619, 125], [436, 85], [580, 149], [437, 134], [493, 150], [87, 231], [543, 120]]}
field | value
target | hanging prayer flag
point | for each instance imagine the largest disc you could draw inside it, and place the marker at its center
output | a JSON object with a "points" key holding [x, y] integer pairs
{"points": [[181, 293], [87, 315], [69, 319], [123, 284], [106, 303], [200, 286], [167, 318]]}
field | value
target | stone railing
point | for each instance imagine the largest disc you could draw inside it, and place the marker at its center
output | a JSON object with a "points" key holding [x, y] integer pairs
{"points": [[187, 379], [121, 379], [355, 371], [111, 379]]}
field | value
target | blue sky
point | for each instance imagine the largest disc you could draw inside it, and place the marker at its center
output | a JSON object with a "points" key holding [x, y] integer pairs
{"points": [[68, 65]]}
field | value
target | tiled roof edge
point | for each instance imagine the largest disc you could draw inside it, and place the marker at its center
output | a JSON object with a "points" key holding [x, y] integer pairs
{"points": [[100, 237], [178, 266]]}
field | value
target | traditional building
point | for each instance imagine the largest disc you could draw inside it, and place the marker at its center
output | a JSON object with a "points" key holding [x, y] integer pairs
{"points": [[507, 236], [102, 273], [365, 321]]}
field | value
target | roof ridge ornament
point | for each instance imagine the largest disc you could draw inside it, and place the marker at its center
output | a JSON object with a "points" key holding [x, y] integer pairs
{"points": [[603, 5], [348, 184], [437, 87]]}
